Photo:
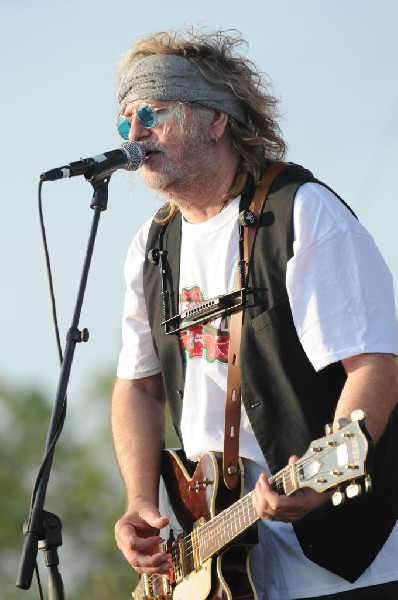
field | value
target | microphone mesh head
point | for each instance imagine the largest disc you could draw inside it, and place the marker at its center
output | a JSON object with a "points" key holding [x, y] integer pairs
{"points": [[135, 155]]}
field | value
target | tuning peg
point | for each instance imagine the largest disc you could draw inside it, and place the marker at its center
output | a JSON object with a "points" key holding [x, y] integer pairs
{"points": [[358, 415], [353, 490], [328, 429], [368, 483], [338, 497]]}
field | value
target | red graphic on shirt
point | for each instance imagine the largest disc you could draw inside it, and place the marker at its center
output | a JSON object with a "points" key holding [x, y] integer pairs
{"points": [[207, 340]]}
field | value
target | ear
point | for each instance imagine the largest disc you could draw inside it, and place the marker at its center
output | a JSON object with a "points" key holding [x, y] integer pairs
{"points": [[219, 125]]}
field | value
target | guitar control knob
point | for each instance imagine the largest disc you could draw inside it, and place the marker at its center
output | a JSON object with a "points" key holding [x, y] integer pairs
{"points": [[195, 488]]}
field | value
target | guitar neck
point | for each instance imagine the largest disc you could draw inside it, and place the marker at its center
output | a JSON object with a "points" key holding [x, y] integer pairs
{"points": [[234, 520], [328, 463], [226, 526]]}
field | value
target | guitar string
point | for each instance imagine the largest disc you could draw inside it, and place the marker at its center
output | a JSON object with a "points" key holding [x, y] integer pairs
{"points": [[217, 530], [226, 527], [221, 526], [284, 477], [217, 526]]}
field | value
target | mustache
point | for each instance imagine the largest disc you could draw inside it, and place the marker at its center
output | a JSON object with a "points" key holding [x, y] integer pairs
{"points": [[152, 147]]}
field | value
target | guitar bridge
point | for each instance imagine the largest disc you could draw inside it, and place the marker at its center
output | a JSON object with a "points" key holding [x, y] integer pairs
{"points": [[154, 587]]}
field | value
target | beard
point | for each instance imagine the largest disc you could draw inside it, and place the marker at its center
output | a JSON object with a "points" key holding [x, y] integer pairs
{"points": [[183, 172]]}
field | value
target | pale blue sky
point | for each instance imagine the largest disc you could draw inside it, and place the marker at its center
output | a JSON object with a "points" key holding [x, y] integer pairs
{"points": [[333, 63]]}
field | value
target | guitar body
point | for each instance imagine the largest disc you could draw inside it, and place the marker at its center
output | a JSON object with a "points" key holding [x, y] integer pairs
{"points": [[220, 578], [211, 527], [196, 493]]}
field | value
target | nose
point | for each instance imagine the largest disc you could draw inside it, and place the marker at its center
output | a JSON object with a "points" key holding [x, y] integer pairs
{"points": [[137, 131]]}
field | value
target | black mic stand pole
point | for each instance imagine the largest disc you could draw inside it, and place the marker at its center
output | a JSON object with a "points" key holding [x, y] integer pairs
{"points": [[43, 529]]}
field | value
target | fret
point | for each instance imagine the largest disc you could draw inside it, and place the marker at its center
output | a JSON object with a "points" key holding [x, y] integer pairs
{"points": [[231, 522], [285, 482], [226, 526]]}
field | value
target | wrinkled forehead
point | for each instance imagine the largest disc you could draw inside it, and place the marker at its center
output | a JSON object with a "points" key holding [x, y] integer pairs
{"points": [[166, 77]]}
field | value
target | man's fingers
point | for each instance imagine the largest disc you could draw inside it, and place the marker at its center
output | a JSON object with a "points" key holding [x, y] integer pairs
{"points": [[154, 519], [145, 545], [156, 563]]}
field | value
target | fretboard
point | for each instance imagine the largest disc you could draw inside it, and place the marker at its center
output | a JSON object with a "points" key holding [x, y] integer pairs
{"points": [[234, 520]]}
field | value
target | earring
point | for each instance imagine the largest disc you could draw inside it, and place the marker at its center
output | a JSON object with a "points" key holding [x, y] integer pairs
{"points": [[215, 139]]}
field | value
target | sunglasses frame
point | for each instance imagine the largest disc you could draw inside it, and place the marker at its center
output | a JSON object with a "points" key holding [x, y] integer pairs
{"points": [[157, 118]]}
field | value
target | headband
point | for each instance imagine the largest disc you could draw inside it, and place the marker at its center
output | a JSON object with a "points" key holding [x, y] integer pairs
{"points": [[171, 77]]}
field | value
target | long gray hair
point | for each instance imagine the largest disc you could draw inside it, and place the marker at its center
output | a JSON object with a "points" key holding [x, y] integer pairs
{"points": [[258, 141]]}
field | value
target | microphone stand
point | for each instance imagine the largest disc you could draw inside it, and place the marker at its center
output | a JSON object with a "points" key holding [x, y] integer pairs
{"points": [[43, 529]]}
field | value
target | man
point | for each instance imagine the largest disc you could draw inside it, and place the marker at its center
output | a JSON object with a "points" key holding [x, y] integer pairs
{"points": [[319, 335]]}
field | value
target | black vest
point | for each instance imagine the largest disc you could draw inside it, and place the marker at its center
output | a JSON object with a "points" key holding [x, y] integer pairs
{"points": [[287, 401]]}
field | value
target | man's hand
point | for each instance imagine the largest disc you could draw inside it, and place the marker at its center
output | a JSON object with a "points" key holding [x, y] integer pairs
{"points": [[288, 509], [137, 536]]}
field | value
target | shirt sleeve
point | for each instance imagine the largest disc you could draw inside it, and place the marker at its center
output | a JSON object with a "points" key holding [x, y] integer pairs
{"points": [[138, 357], [340, 288]]}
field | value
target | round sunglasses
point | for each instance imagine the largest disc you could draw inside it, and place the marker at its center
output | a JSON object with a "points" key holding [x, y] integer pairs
{"points": [[147, 115]]}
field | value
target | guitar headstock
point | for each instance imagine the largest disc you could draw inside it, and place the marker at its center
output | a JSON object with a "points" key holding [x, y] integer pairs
{"points": [[338, 459]]}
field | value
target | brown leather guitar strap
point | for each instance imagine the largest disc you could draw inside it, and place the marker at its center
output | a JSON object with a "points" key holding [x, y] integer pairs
{"points": [[233, 398]]}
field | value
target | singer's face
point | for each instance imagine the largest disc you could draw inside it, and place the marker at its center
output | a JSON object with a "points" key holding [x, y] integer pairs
{"points": [[177, 150]]}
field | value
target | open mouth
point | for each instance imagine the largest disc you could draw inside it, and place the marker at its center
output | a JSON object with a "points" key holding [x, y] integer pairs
{"points": [[149, 153], [150, 150]]}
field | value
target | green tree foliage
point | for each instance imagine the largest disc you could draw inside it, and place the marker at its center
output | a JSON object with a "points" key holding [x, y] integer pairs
{"points": [[85, 491]]}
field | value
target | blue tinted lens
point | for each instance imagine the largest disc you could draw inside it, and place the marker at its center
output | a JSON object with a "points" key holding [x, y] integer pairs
{"points": [[146, 115], [123, 127]]}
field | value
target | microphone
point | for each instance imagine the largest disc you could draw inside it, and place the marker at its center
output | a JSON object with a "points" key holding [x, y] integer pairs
{"points": [[129, 156]]}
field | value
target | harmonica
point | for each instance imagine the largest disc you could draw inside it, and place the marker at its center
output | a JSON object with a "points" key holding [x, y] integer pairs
{"points": [[206, 311]]}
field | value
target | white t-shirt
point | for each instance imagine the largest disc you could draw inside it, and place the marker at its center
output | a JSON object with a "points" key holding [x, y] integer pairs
{"points": [[342, 301]]}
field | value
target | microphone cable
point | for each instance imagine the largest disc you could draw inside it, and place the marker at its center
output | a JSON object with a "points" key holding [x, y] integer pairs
{"points": [[59, 426]]}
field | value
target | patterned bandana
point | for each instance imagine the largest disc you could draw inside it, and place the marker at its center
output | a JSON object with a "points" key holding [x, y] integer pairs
{"points": [[171, 77]]}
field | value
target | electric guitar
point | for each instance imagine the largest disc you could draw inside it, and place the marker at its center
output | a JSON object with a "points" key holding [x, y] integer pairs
{"points": [[213, 523]]}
